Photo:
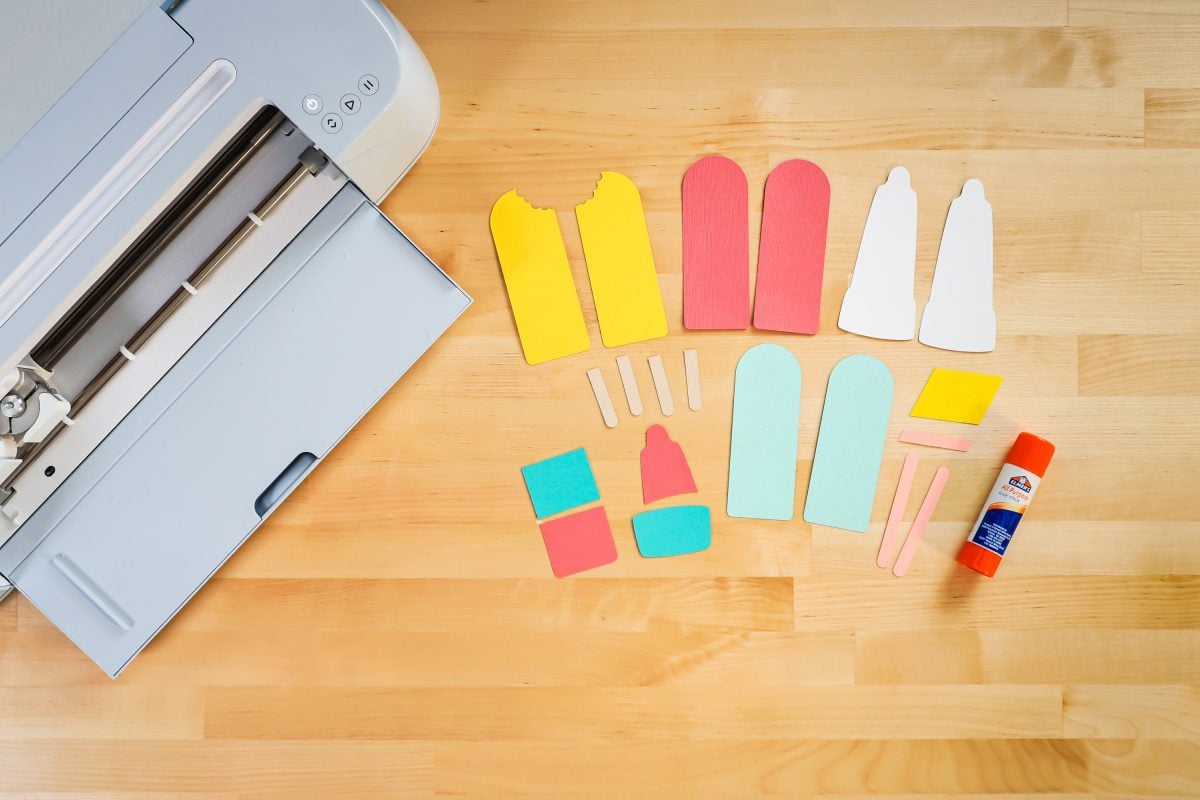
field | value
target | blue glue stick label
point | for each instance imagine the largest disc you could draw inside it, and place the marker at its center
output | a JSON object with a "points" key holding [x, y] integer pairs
{"points": [[1005, 507]]}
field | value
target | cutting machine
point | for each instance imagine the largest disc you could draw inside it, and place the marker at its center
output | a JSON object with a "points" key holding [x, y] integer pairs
{"points": [[199, 295]]}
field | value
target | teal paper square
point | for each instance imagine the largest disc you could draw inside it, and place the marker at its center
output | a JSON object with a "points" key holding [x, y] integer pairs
{"points": [[560, 483]]}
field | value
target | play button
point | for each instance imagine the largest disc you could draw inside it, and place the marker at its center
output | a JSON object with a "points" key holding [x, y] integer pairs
{"points": [[350, 103]]}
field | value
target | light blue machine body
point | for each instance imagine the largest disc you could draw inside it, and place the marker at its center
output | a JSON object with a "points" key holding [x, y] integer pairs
{"points": [[116, 544]]}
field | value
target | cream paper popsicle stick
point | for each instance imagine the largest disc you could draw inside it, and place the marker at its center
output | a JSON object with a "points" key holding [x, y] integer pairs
{"points": [[691, 369], [659, 373], [917, 531], [632, 395], [602, 399], [891, 531]]}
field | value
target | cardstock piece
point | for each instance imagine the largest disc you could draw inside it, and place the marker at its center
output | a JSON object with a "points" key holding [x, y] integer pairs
{"points": [[716, 246], [791, 248], [537, 276], [620, 263], [956, 396], [560, 483], [691, 371], [579, 542], [959, 314], [665, 471], [891, 531], [879, 302], [632, 395], [766, 429], [661, 386], [673, 531], [854, 420], [917, 531], [936, 440], [600, 390]]}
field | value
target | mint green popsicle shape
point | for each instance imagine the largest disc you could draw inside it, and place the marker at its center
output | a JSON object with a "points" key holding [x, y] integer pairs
{"points": [[766, 427], [854, 420]]}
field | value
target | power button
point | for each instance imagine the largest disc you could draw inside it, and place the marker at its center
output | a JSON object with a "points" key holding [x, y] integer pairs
{"points": [[312, 104]]}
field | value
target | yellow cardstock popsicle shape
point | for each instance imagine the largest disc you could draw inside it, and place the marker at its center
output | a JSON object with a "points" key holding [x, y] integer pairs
{"points": [[956, 396], [537, 276], [620, 263]]}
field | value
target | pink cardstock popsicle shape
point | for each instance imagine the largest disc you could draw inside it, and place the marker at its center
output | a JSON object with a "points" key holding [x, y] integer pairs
{"points": [[665, 471], [917, 530], [579, 542], [791, 248], [716, 246], [891, 531], [936, 440]]}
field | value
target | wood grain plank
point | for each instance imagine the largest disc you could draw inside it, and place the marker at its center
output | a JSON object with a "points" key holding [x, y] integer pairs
{"points": [[1026, 183], [1131, 712], [1118, 13], [565, 657], [467, 606], [624, 15], [1173, 117], [1042, 550], [742, 114], [948, 596], [638, 769], [1140, 366], [1047, 57], [117, 712], [251, 769], [1169, 242], [1045, 655], [557, 714]]}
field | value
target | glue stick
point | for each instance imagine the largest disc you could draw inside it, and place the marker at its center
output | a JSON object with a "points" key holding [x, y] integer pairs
{"points": [[1006, 503]]}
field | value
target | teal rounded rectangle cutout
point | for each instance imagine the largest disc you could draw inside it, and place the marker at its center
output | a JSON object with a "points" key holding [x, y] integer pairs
{"points": [[673, 531]]}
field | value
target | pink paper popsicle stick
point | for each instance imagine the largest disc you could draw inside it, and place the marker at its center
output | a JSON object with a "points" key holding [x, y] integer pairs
{"points": [[936, 440], [891, 531], [919, 524]]}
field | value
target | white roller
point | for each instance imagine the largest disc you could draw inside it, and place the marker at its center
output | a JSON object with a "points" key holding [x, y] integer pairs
{"points": [[52, 410]]}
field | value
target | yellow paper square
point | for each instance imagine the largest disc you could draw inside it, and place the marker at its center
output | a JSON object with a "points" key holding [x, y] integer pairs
{"points": [[956, 396]]}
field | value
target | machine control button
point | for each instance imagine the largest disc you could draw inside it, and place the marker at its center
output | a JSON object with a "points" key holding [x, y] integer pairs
{"points": [[368, 84], [312, 104], [350, 103], [332, 123]]}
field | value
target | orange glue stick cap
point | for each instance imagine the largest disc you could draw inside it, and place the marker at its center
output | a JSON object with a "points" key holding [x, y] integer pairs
{"points": [[1031, 452]]}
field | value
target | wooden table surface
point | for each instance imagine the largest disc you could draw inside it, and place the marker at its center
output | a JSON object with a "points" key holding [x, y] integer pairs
{"points": [[394, 631]]}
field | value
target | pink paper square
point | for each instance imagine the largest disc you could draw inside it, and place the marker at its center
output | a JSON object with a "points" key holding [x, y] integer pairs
{"points": [[579, 542]]}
